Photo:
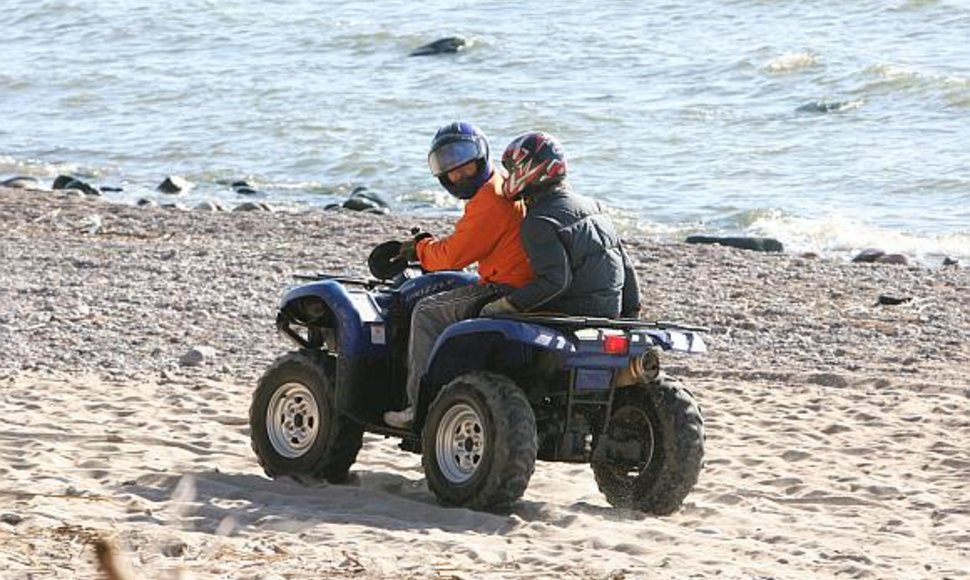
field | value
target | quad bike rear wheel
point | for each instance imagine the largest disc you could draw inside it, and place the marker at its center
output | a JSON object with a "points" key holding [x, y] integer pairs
{"points": [[296, 429], [479, 442], [651, 455]]}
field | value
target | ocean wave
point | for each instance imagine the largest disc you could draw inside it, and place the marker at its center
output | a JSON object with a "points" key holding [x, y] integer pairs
{"points": [[9, 83], [890, 78], [430, 198], [36, 168], [686, 131], [839, 235], [834, 235]]}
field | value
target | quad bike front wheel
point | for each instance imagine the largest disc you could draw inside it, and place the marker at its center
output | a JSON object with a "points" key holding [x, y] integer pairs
{"points": [[296, 429], [651, 454], [479, 442]]}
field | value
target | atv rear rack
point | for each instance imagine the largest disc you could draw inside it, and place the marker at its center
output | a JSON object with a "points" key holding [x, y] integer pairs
{"points": [[592, 321]]}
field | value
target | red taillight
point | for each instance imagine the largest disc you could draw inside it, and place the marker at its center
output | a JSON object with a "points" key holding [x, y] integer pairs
{"points": [[616, 344]]}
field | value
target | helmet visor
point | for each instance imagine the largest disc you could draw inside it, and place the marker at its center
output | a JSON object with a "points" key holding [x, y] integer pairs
{"points": [[454, 154]]}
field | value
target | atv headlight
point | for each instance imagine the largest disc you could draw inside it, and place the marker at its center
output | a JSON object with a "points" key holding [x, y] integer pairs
{"points": [[310, 311]]}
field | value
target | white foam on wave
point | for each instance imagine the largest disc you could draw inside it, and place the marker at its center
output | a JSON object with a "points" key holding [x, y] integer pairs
{"points": [[435, 198], [840, 235], [791, 62], [835, 235], [629, 224], [897, 76], [895, 72], [33, 168]]}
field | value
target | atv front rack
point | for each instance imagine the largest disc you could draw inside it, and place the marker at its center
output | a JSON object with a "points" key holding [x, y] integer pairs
{"points": [[369, 283]]}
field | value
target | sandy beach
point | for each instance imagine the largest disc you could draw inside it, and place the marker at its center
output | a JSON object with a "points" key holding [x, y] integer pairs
{"points": [[131, 340]]}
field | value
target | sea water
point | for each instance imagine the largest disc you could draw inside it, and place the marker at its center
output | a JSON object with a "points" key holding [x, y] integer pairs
{"points": [[830, 125]]}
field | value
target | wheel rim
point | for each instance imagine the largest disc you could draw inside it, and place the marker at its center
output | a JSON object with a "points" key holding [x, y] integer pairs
{"points": [[460, 443], [633, 422], [292, 420]]}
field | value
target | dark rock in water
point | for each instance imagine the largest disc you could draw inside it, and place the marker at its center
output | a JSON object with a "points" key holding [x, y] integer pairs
{"points": [[892, 259], [21, 182], [252, 206], [145, 202], [948, 261], [360, 204], [367, 193], [445, 45], [822, 107], [877, 256], [244, 188], [110, 189], [365, 199], [175, 184], [756, 244], [869, 256], [62, 181], [209, 206], [69, 182], [887, 300]]}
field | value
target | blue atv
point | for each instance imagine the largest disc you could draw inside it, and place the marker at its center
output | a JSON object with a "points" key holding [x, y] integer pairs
{"points": [[497, 394]]}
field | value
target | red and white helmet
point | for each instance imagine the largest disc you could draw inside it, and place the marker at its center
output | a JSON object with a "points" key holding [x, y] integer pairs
{"points": [[532, 159]]}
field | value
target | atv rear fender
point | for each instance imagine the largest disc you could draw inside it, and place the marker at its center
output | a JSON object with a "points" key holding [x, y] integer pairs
{"points": [[509, 345]]}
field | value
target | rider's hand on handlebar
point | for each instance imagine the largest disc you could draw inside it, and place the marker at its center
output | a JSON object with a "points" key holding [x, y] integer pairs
{"points": [[420, 234], [409, 250], [409, 247]]}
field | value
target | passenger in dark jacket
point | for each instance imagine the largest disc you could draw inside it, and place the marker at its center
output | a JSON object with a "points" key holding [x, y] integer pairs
{"points": [[579, 263]]}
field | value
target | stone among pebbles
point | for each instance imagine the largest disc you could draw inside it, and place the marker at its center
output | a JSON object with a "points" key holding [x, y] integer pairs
{"points": [[197, 356]]}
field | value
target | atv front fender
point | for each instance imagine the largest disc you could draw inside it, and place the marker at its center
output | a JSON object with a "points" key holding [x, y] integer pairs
{"points": [[329, 304]]}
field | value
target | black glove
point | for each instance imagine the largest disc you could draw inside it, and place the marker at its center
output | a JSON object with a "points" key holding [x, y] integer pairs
{"points": [[418, 234], [409, 250]]}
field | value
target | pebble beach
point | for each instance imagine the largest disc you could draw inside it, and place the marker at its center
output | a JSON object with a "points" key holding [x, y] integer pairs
{"points": [[836, 397]]}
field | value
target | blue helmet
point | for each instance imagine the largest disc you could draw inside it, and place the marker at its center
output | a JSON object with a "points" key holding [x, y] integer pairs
{"points": [[455, 145]]}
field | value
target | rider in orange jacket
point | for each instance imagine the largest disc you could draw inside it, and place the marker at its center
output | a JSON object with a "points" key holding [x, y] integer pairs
{"points": [[487, 233]]}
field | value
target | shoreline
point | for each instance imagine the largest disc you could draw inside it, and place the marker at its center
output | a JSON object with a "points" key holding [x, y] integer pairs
{"points": [[833, 422], [901, 246]]}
